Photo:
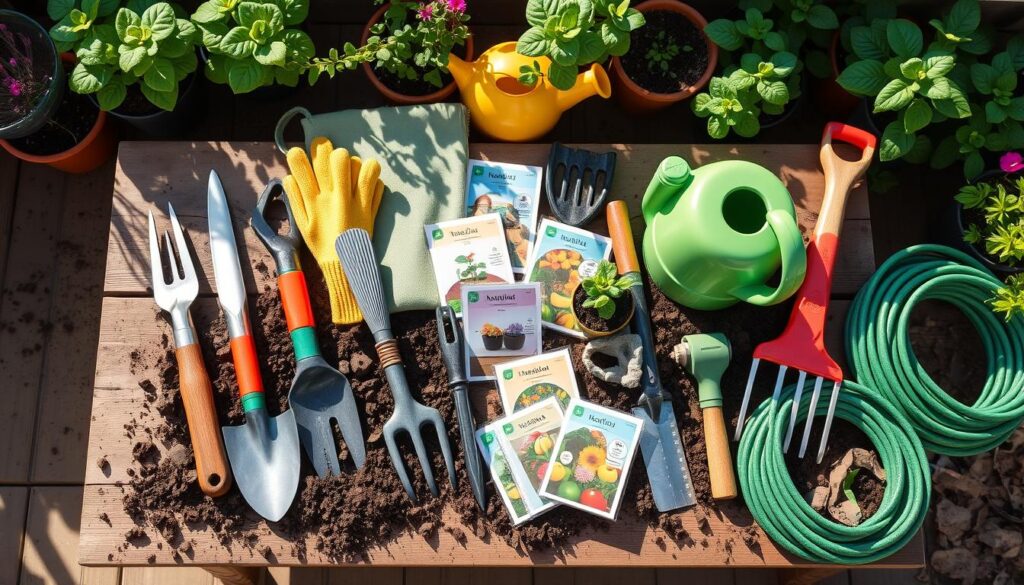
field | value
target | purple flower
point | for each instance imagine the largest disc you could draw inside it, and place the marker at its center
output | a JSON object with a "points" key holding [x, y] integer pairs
{"points": [[456, 5], [426, 12], [1011, 162], [14, 86]]}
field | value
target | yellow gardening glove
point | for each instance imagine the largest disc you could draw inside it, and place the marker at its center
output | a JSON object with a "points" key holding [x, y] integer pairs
{"points": [[335, 193]]}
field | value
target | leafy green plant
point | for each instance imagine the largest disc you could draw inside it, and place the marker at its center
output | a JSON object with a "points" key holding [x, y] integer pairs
{"points": [[1009, 299], [153, 49], [663, 50], [736, 102], [604, 287], [467, 268], [994, 218], [250, 44], [574, 33]]}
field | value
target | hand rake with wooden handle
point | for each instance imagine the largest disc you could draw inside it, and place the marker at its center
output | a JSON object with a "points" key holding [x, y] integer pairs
{"points": [[802, 344]]}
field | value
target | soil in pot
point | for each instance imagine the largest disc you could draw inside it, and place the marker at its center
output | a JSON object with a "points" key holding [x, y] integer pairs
{"points": [[416, 87], [685, 69], [589, 318], [74, 119]]}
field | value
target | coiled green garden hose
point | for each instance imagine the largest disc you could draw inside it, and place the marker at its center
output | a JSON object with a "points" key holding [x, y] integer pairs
{"points": [[784, 513], [878, 348]]}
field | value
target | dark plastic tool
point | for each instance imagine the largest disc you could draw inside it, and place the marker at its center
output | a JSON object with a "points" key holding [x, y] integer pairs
{"points": [[577, 182], [320, 393], [449, 334]]}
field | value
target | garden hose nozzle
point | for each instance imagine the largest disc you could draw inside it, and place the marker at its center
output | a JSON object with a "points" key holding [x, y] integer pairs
{"points": [[705, 356]]}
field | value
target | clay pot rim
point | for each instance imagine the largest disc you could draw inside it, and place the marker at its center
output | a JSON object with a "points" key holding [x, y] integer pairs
{"points": [[401, 98], [700, 22], [592, 333]]}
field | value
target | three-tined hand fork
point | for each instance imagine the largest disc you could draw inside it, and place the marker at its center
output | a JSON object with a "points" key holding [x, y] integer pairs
{"points": [[802, 344]]}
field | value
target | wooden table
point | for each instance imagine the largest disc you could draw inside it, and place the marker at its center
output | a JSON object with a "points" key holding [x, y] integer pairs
{"points": [[150, 174]]}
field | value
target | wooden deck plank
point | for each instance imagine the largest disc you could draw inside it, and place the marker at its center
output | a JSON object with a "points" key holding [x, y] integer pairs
{"points": [[366, 576], [470, 576], [717, 576], [755, 577], [25, 300], [296, 576], [166, 576], [884, 577], [65, 400], [9, 167], [13, 510]]}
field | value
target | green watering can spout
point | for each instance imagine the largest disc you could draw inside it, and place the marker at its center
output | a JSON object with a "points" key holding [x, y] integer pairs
{"points": [[669, 180]]}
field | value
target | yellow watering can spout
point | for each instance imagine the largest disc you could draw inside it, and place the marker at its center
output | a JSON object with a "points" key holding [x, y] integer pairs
{"points": [[461, 71], [592, 82]]}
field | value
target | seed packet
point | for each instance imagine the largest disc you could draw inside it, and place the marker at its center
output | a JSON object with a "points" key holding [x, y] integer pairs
{"points": [[527, 438], [513, 192], [557, 259], [500, 322], [501, 474], [467, 251], [527, 381], [592, 457]]}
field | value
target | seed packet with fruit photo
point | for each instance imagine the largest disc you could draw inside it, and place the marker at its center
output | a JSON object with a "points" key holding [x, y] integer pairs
{"points": [[527, 381], [467, 251], [501, 322], [560, 258], [527, 438], [501, 474], [511, 191], [592, 457]]}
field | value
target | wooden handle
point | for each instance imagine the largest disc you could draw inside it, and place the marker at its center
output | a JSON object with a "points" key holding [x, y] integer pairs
{"points": [[723, 478], [212, 469], [840, 174], [621, 233]]}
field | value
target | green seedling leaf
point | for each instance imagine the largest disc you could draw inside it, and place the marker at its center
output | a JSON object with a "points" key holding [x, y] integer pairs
{"points": [[896, 142], [917, 115], [904, 37], [723, 33], [848, 487], [863, 78], [823, 17], [896, 95]]}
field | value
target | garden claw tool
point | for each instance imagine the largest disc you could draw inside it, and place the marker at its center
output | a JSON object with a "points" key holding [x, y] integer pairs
{"points": [[660, 443], [802, 344], [319, 394], [577, 182], [449, 334], [264, 450], [360, 265]]}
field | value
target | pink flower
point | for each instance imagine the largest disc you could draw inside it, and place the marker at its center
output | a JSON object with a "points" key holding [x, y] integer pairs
{"points": [[1011, 162], [14, 86], [426, 12], [457, 5]]}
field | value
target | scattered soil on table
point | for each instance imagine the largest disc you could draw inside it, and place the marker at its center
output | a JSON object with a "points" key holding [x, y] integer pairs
{"points": [[360, 510], [685, 69], [72, 122], [589, 317]]}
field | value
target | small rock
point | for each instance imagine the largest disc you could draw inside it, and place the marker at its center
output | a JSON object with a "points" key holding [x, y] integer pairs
{"points": [[1005, 543], [956, 563], [952, 520], [360, 363]]}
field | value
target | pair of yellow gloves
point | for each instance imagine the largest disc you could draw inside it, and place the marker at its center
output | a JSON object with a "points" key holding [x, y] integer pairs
{"points": [[334, 193]]}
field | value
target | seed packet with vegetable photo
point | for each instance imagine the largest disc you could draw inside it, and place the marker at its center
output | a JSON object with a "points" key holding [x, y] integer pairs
{"points": [[501, 322], [511, 191], [467, 251], [527, 381], [560, 258], [592, 457], [510, 492], [527, 438]]}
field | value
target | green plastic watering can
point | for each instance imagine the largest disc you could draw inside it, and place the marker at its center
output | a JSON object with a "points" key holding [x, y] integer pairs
{"points": [[716, 234]]}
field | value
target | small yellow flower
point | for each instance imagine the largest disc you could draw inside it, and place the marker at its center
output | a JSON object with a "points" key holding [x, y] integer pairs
{"points": [[592, 457]]}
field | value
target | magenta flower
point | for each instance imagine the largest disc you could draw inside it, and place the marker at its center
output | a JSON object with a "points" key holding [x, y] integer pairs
{"points": [[457, 5], [426, 12], [14, 86], [1011, 162]]}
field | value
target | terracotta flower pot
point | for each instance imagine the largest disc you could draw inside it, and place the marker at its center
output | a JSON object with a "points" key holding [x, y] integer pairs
{"points": [[593, 333], [401, 98], [635, 98]]}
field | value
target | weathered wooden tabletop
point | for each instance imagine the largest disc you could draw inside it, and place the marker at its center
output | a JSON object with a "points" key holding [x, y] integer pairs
{"points": [[152, 173]]}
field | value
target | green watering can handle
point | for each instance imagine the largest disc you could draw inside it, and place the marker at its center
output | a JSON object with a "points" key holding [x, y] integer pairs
{"points": [[794, 263]]}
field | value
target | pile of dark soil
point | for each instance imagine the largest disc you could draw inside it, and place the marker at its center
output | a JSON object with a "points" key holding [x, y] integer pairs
{"points": [[684, 69], [361, 509], [72, 122]]}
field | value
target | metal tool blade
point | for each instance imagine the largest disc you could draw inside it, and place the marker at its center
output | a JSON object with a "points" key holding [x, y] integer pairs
{"points": [[665, 459], [227, 270], [264, 456], [319, 395]]}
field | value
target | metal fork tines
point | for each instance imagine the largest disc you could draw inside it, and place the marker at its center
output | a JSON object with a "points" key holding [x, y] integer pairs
{"points": [[797, 393], [175, 296]]}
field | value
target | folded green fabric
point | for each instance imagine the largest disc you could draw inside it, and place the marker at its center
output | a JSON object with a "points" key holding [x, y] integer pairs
{"points": [[422, 152]]}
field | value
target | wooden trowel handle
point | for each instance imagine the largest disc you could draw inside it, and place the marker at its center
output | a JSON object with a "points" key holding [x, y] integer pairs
{"points": [[716, 441], [212, 470], [621, 233]]}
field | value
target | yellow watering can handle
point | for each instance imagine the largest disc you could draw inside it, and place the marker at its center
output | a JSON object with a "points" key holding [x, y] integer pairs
{"points": [[794, 263]]}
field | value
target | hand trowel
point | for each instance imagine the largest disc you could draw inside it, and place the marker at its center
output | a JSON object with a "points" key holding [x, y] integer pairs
{"points": [[264, 450], [660, 443]]}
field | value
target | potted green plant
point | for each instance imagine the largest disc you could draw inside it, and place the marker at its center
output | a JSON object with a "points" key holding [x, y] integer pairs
{"points": [[990, 216], [602, 304], [669, 60], [253, 45], [735, 102], [492, 336], [830, 97], [132, 64], [39, 121], [514, 336]]}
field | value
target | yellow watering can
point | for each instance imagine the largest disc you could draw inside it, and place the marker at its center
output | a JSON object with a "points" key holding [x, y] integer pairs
{"points": [[503, 108]]}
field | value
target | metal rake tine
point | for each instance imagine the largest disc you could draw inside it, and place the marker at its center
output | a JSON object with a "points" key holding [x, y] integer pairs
{"points": [[828, 419], [779, 379], [155, 262], [421, 453], [565, 182], [179, 239], [175, 276], [746, 398], [810, 415], [793, 411], [446, 449], [398, 462]]}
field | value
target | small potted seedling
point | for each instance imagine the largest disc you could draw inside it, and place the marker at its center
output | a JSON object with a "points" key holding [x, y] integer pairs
{"points": [[602, 303], [492, 336], [514, 338]]}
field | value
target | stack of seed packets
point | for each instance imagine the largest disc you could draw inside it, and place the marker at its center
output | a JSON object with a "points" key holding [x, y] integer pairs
{"points": [[501, 322], [467, 251], [527, 381], [560, 258], [518, 449], [592, 456], [513, 192]]}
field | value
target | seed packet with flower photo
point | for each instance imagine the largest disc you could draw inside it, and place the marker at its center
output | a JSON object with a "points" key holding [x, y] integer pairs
{"points": [[501, 474], [467, 251], [501, 322], [527, 438], [559, 259], [592, 457], [527, 381], [513, 192]]}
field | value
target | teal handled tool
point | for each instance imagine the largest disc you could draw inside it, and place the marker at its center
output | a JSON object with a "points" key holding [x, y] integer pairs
{"points": [[264, 450], [660, 443], [320, 395]]}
